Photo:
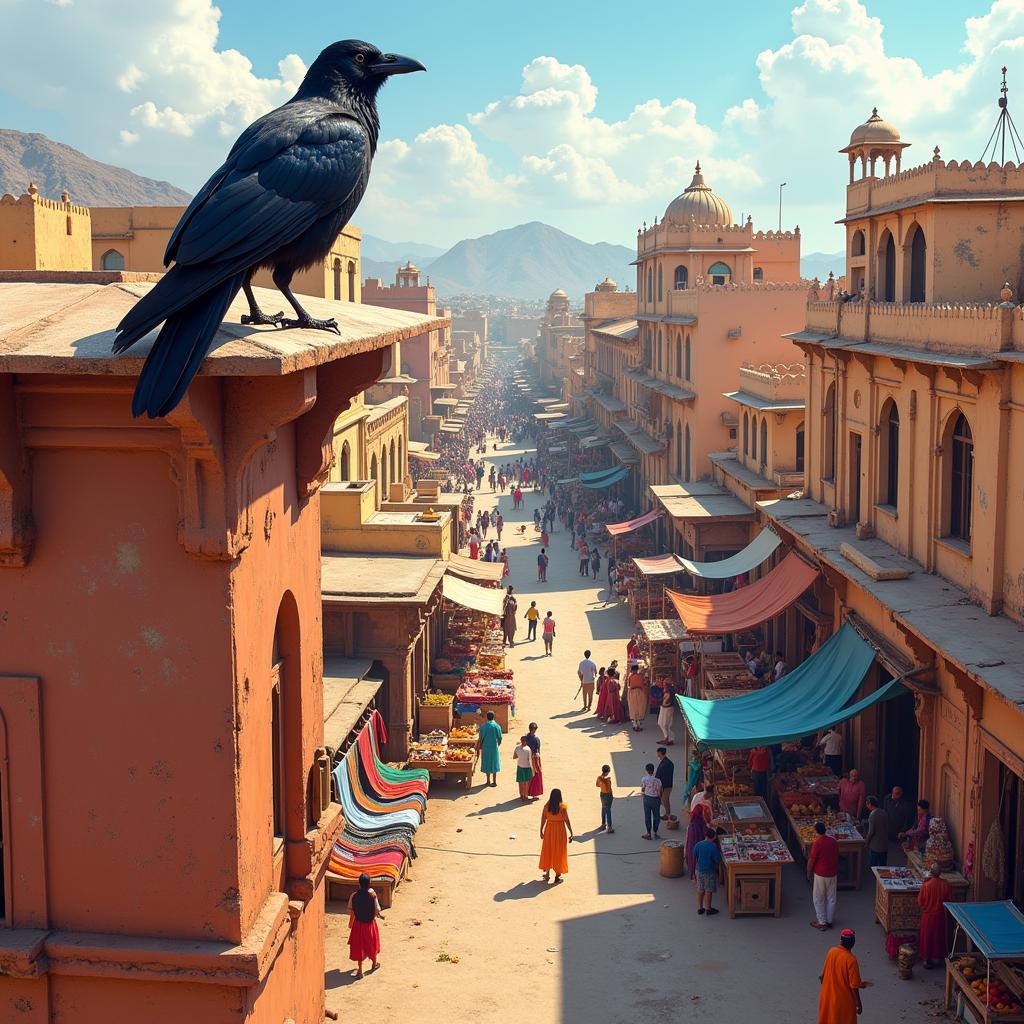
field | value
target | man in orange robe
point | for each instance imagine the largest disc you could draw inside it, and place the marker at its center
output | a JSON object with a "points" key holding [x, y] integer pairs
{"points": [[931, 943], [839, 1001]]}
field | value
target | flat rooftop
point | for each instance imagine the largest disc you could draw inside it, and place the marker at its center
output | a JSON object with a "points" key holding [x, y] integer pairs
{"points": [[66, 324], [375, 578]]}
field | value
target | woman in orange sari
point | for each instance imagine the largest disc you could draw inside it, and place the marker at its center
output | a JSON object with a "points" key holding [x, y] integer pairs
{"points": [[554, 850]]}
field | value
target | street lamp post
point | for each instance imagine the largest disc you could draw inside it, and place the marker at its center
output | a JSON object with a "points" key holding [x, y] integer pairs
{"points": [[781, 187]]}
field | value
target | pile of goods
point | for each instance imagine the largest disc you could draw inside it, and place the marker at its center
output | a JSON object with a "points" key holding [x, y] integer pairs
{"points": [[938, 849], [813, 787], [461, 754], [995, 993], [801, 805], [733, 789], [463, 735], [839, 825], [436, 700], [481, 692], [425, 757], [810, 770], [755, 843], [898, 879]]}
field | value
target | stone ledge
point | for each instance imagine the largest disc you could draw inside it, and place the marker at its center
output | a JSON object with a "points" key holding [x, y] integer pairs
{"points": [[869, 566]]}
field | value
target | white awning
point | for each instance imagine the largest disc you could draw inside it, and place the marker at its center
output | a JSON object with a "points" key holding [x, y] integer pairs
{"points": [[469, 595]]}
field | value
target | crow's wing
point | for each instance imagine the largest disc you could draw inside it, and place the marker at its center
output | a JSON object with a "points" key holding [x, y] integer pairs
{"points": [[280, 183]]}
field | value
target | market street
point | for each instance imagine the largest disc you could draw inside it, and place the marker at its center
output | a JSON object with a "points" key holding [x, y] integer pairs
{"points": [[474, 930]]}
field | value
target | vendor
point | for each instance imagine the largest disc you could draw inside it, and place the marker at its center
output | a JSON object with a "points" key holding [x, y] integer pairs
{"points": [[759, 760], [916, 837], [852, 795]]}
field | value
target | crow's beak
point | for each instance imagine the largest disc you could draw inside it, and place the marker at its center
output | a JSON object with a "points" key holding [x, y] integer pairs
{"points": [[396, 64]]}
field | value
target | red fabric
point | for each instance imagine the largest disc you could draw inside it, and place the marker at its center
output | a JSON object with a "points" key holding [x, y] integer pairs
{"points": [[363, 940], [536, 787], [824, 858], [602, 698], [740, 609]]}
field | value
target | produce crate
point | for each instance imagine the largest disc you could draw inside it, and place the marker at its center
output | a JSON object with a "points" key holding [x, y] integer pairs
{"points": [[435, 716], [446, 682]]}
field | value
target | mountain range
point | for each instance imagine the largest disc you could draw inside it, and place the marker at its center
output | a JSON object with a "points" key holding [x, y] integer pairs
{"points": [[818, 264], [54, 167]]}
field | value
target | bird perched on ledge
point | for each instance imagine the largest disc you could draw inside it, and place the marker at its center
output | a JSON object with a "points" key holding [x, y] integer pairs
{"points": [[289, 185]]}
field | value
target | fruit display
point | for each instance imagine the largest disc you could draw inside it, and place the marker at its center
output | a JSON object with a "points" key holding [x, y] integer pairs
{"points": [[839, 826], [420, 757], [459, 754], [436, 700], [486, 693], [801, 805], [733, 789], [463, 734]]}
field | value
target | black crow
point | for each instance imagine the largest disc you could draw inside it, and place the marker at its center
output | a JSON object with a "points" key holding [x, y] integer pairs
{"points": [[289, 185]]}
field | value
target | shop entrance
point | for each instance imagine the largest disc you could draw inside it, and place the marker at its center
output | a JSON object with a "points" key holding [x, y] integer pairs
{"points": [[901, 742], [1001, 874]]}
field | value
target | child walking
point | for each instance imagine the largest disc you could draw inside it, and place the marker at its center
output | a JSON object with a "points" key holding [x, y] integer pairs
{"points": [[604, 784]]}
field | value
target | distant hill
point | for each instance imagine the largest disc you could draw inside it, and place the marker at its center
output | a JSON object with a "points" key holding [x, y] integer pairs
{"points": [[529, 262], [381, 251], [55, 167], [818, 264]]}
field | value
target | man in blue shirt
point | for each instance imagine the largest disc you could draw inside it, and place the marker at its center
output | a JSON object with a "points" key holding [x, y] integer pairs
{"points": [[707, 860]]}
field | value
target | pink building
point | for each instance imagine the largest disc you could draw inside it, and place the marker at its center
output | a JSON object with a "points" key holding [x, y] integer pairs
{"points": [[424, 360]]}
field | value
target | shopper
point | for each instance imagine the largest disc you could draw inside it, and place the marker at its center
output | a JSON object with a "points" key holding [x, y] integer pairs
{"points": [[584, 553], [839, 999], [537, 782], [524, 767], [650, 789], [759, 760], [616, 715], [595, 562], [932, 942], [542, 566], [604, 784], [666, 715], [554, 824], [587, 672], [665, 772], [707, 857], [548, 633], [602, 693], [508, 618], [694, 773], [878, 834], [823, 869], [832, 748], [916, 837], [532, 617], [852, 794], [487, 743], [637, 698], [363, 935]]}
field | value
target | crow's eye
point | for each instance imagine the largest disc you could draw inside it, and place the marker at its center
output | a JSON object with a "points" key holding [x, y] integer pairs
{"points": [[360, 58]]}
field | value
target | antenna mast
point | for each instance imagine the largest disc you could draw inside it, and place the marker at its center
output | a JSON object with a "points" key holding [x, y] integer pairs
{"points": [[1004, 129]]}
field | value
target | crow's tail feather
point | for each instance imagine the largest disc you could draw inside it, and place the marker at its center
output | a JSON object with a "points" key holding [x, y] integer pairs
{"points": [[179, 349]]}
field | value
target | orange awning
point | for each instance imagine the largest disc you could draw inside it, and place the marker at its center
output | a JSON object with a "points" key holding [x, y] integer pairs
{"points": [[634, 524], [472, 569], [748, 606]]}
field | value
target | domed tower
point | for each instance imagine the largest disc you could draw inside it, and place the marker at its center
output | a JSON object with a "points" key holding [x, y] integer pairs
{"points": [[408, 276], [698, 205], [607, 285], [873, 139], [558, 308]]}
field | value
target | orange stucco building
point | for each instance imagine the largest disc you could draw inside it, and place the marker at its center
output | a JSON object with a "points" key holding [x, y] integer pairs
{"points": [[37, 233], [914, 464], [164, 795]]}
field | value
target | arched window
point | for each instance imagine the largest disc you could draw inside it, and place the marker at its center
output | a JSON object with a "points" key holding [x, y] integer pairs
{"points": [[659, 283], [758, 273], [351, 281], [392, 475], [345, 463], [374, 470], [764, 441], [679, 356], [889, 454], [887, 267], [915, 258], [857, 243], [746, 432], [112, 260], [650, 284], [682, 277], [337, 280], [719, 273], [401, 460], [679, 450], [828, 412], [687, 468], [285, 721], [659, 350], [384, 478], [961, 478], [800, 447], [687, 361], [753, 439]]}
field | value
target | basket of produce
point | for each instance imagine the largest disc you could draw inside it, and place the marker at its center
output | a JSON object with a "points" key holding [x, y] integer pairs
{"points": [[460, 755], [801, 805], [436, 700], [463, 735], [811, 770]]}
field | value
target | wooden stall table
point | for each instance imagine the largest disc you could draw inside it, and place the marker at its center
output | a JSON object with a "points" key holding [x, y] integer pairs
{"points": [[843, 829], [461, 769], [896, 891], [502, 715], [753, 855], [730, 679], [725, 661], [663, 637], [960, 884]]}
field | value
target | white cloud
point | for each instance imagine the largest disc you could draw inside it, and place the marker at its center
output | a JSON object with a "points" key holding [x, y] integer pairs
{"points": [[129, 138], [131, 78]]}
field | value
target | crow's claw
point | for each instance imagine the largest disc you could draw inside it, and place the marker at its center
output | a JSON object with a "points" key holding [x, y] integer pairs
{"points": [[259, 317], [311, 323]]}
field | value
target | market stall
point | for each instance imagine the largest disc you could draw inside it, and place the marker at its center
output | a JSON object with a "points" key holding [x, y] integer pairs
{"points": [[841, 827], [660, 639], [647, 586], [754, 855], [444, 757], [896, 891], [986, 983]]}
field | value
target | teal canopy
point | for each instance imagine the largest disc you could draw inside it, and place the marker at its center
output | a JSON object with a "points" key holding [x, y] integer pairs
{"points": [[599, 474], [812, 697], [607, 481], [756, 552], [997, 929]]}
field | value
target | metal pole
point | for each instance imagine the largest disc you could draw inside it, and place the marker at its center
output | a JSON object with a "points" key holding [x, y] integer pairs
{"points": [[781, 187]]}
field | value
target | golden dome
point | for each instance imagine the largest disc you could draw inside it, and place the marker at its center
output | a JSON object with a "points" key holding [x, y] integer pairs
{"points": [[698, 205], [607, 285], [874, 131], [557, 294]]}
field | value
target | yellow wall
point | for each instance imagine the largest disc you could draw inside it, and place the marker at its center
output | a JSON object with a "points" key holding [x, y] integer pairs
{"points": [[43, 234]]}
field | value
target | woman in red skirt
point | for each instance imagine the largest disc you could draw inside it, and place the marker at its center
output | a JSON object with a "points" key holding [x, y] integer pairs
{"points": [[602, 694], [363, 936]]}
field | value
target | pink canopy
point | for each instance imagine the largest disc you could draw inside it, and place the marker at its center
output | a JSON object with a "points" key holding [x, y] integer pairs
{"points": [[661, 565], [634, 524]]}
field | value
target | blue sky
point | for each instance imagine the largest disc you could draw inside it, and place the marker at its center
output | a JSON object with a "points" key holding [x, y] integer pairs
{"points": [[588, 116]]}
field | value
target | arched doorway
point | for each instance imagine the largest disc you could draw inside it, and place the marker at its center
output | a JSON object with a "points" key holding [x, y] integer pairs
{"points": [[887, 267], [351, 281], [345, 463], [112, 260], [337, 280], [687, 468], [915, 255]]}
